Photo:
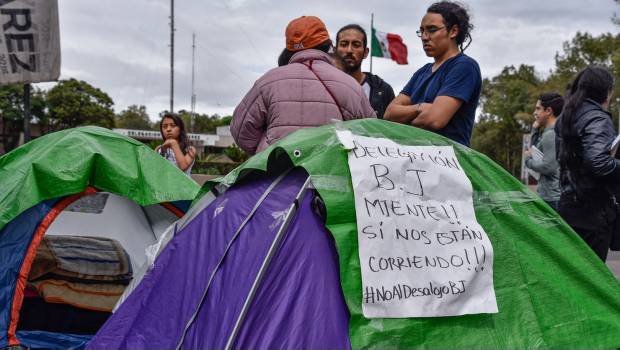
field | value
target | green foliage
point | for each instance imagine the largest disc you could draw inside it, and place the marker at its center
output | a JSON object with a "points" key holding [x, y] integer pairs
{"points": [[583, 50], [208, 167], [75, 103], [12, 103], [510, 92], [134, 117], [504, 99], [153, 143], [219, 164], [12, 112], [11, 98], [205, 124], [236, 154], [202, 123], [226, 120], [209, 171]]}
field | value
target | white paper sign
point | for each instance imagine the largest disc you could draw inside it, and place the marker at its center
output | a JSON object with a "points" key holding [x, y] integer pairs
{"points": [[422, 252], [29, 41]]}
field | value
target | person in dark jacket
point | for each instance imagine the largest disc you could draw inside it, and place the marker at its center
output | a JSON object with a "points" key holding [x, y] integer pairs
{"points": [[352, 46], [589, 175]]}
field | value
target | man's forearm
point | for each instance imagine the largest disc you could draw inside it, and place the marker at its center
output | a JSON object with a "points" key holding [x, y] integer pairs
{"points": [[401, 113], [425, 118], [436, 115]]}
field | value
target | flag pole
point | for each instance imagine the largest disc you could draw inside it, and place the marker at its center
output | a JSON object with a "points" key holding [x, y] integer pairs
{"points": [[372, 19]]}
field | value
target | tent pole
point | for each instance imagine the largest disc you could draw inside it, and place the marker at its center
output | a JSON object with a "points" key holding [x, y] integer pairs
{"points": [[265, 265], [230, 243]]}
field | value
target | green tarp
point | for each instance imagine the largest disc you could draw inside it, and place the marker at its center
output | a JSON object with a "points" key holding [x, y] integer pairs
{"points": [[68, 161], [552, 290]]}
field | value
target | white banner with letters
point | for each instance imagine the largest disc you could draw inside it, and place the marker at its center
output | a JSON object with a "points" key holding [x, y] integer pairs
{"points": [[29, 41], [422, 252]]}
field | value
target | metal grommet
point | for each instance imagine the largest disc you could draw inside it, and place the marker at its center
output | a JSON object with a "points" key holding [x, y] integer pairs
{"points": [[297, 153]]}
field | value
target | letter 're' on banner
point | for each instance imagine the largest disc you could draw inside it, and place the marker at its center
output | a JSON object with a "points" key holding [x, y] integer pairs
{"points": [[29, 41]]}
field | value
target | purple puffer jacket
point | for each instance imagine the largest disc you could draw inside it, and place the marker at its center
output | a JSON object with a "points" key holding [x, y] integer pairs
{"points": [[291, 97]]}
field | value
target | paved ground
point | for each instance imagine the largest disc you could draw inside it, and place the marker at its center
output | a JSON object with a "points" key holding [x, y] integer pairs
{"points": [[613, 261]]}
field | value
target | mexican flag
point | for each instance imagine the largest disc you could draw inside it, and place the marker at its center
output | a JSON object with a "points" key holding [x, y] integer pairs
{"points": [[388, 45]]}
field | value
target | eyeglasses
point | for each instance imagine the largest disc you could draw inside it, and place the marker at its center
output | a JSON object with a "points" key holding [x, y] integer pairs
{"points": [[429, 31]]}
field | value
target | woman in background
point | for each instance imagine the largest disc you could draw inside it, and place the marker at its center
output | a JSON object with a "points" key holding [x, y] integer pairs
{"points": [[176, 147], [589, 175]]}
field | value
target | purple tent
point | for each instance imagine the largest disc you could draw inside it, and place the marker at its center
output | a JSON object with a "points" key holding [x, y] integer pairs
{"points": [[255, 268]]}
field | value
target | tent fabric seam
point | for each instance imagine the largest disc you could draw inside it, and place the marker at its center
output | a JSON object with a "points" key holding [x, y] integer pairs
{"points": [[276, 244], [232, 240]]}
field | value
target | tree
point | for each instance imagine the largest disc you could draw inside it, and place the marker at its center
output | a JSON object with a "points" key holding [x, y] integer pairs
{"points": [[12, 112], [205, 124], [584, 50], [236, 154], [134, 117], [226, 120], [507, 101], [75, 102]]}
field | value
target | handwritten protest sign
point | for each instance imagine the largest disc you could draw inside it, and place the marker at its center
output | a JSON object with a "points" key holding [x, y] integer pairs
{"points": [[422, 252]]}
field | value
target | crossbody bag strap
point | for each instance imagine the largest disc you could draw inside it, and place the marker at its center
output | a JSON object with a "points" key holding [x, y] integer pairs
{"points": [[309, 65]]}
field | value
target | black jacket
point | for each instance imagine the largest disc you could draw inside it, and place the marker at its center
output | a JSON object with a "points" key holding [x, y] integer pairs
{"points": [[381, 93], [592, 170]]}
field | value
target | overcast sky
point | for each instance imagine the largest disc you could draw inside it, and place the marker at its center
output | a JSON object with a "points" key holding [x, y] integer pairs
{"points": [[122, 47]]}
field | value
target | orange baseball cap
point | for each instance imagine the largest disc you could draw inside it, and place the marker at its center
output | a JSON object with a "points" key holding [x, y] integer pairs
{"points": [[305, 32]]}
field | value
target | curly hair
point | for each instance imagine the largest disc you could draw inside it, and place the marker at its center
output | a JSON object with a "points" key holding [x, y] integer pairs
{"points": [[455, 14]]}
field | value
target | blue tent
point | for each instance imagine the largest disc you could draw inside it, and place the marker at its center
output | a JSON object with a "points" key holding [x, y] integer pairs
{"points": [[86, 182]]}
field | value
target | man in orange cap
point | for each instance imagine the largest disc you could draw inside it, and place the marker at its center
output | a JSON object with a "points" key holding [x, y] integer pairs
{"points": [[306, 90]]}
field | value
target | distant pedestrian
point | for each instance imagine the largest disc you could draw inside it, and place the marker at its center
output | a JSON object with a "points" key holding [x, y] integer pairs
{"points": [[176, 147], [306, 90], [442, 96], [589, 175], [548, 107]]}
